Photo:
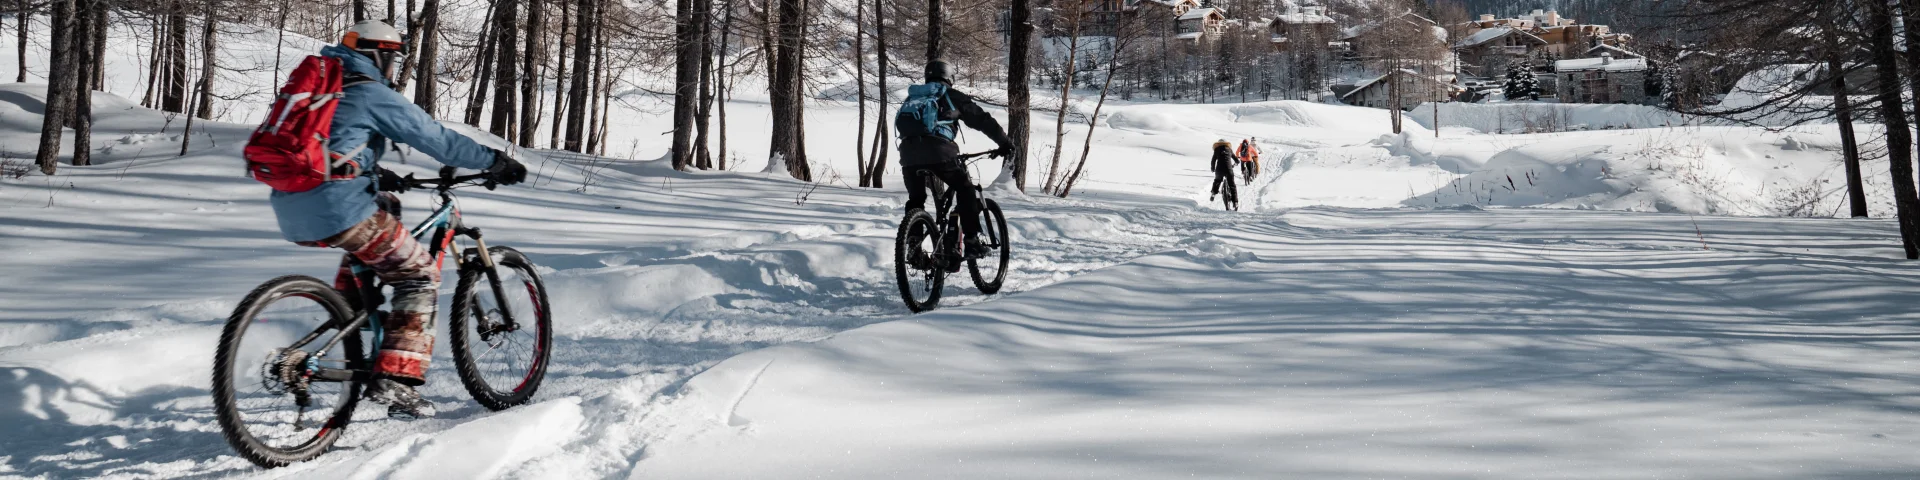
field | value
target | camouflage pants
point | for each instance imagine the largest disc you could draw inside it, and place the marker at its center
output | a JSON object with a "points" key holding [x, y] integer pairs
{"points": [[382, 243]]}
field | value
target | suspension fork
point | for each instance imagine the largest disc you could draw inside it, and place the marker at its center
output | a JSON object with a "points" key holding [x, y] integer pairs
{"points": [[487, 265]]}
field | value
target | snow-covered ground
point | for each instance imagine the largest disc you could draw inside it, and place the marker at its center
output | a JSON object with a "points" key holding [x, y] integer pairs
{"points": [[1512, 309]]}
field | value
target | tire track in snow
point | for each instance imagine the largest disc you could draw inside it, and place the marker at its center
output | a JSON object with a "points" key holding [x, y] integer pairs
{"points": [[627, 356]]}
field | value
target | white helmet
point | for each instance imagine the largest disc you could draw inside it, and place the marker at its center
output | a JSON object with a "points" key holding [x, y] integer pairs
{"points": [[376, 40], [373, 35]]}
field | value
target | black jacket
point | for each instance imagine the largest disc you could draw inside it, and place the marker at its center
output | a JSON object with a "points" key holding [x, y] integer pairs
{"points": [[929, 151], [1222, 161]]}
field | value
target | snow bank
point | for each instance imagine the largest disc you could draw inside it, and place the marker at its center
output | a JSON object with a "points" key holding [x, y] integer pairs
{"points": [[1527, 117]]}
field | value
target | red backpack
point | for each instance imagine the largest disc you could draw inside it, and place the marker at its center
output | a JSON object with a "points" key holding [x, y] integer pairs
{"points": [[289, 150]]}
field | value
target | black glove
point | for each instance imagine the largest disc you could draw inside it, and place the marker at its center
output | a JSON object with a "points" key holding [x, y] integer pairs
{"points": [[1003, 152], [393, 182], [506, 170]]}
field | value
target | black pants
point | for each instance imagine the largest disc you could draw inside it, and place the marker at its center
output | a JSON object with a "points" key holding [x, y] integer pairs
{"points": [[955, 176], [1226, 178]]}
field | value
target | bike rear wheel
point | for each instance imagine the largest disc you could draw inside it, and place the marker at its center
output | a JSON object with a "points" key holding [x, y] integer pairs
{"points": [[990, 273], [501, 366], [916, 267], [260, 381]]}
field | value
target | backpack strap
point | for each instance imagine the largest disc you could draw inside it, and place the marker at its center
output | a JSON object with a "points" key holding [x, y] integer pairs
{"points": [[355, 79]]}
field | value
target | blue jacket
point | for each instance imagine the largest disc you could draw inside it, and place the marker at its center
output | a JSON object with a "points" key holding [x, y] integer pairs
{"points": [[367, 111]]}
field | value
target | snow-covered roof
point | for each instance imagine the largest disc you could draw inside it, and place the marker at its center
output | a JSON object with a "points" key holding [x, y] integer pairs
{"points": [[1363, 85], [1188, 36], [1616, 51], [1601, 63], [1199, 13], [1492, 34], [1304, 18]]}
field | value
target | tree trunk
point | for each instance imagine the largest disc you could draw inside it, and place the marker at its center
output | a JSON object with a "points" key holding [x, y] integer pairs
{"points": [[483, 66], [702, 158], [359, 10], [157, 50], [720, 83], [1899, 137], [1843, 113], [603, 90], [426, 93], [860, 88], [535, 56], [82, 59], [20, 41], [560, 75], [881, 151], [99, 53], [786, 95], [1019, 98], [936, 28], [60, 86], [413, 51], [585, 22], [1066, 95], [173, 97], [1093, 123], [505, 75], [686, 79], [208, 58]]}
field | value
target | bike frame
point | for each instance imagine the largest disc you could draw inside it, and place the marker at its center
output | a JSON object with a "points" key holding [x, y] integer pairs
{"points": [[436, 231]]}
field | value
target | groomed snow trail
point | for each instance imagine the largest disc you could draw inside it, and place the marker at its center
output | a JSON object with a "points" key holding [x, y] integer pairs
{"points": [[1362, 344], [121, 275]]}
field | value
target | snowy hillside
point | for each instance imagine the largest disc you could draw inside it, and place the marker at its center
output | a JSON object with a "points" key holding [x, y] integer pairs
{"points": [[1388, 306]]}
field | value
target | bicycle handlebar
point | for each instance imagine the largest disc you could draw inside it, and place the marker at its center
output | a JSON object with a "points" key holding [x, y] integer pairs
{"points": [[448, 180]]}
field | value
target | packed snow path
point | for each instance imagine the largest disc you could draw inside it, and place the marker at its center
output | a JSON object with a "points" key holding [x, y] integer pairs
{"points": [[1323, 344], [116, 293]]}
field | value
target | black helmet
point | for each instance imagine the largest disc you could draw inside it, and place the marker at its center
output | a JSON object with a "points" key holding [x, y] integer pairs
{"points": [[937, 72]]}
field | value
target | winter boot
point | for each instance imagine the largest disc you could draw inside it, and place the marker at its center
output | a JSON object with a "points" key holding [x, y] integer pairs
{"points": [[402, 401], [975, 249]]}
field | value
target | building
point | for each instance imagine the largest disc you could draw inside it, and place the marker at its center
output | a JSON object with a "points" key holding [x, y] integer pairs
{"points": [[1487, 53], [1489, 45], [1414, 89], [1203, 22], [1306, 27], [1357, 38], [1602, 80]]}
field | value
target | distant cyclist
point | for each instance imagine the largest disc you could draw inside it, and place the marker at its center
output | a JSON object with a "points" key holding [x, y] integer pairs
{"points": [[926, 125], [347, 212], [1223, 170], [1249, 153]]}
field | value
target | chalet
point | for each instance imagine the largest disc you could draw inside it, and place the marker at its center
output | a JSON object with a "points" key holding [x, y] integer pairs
{"points": [[1564, 37], [1203, 22], [1413, 89], [1487, 53], [1305, 27], [1356, 38], [1602, 80]]}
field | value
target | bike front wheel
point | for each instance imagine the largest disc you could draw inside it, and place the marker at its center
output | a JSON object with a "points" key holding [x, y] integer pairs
{"points": [[271, 406], [501, 363], [916, 261], [990, 273]]}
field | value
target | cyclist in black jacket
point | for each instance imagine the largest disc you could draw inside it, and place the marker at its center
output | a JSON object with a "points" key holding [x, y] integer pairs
{"points": [[942, 157]]}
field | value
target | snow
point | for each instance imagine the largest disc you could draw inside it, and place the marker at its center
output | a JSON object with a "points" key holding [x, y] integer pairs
{"points": [[1200, 13], [1490, 34], [1412, 344], [1601, 63], [1493, 302], [1304, 18]]}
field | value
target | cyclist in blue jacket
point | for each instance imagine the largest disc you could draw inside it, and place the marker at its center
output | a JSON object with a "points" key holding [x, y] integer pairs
{"points": [[355, 216]]}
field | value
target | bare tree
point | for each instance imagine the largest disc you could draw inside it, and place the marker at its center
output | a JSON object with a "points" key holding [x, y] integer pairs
{"points": [[1019, 98], [60, 85]]}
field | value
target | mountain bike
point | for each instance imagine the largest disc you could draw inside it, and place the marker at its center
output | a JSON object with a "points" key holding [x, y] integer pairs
{"points": [[927, 247], [291, 366]]}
